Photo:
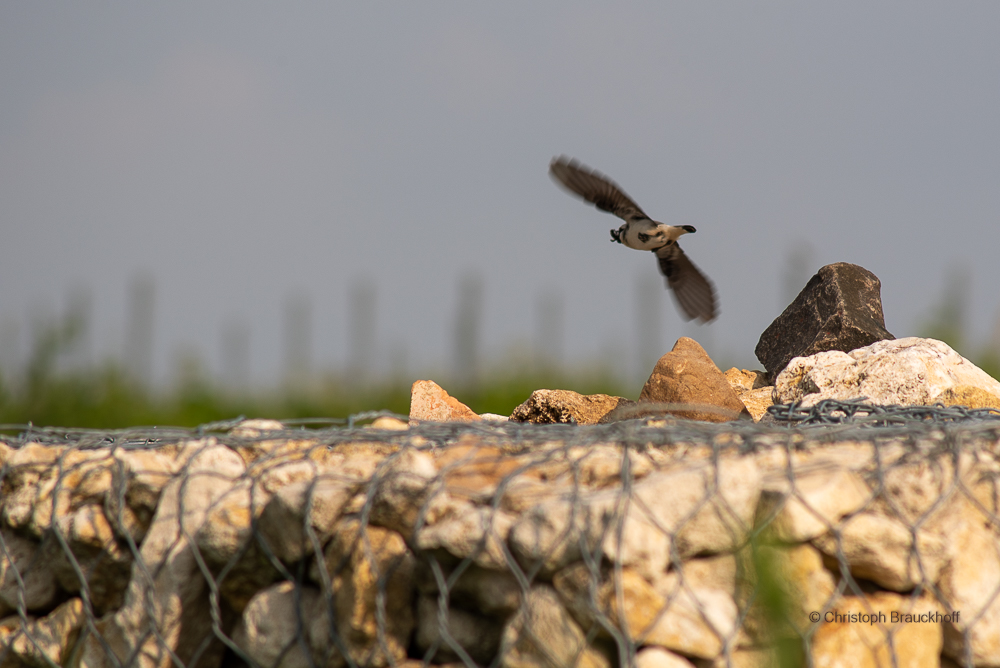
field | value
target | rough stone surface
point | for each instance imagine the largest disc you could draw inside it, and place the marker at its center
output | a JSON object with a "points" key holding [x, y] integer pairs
{"points": [[550, 406], [468, 531], [823, 493], [542, 634], [175, 600], [691, 620], [657, 657], [681, 505], [840, 308], [846, 644], [358, 562], [882, 549], [41, 642], [687, 375], [429, 402], [407, 491], [277, 633], [910, 371], [301, 507], [971, 583], [744, 380], [758, 401]]}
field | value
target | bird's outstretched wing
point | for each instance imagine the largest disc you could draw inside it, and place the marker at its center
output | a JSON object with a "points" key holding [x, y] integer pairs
{"points": [[695, 294], [594, 187]]}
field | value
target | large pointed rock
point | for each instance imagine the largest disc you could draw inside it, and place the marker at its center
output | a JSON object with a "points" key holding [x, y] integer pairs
{"points": [[430, 403], [688, 378], [839, 309]]}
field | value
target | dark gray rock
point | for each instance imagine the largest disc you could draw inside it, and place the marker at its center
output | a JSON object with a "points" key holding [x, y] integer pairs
{"points": [[839, 309]]}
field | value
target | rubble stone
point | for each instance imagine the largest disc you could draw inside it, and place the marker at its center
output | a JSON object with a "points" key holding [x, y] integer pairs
{"points": [[430, 403], [562, 406], [687, 375]]}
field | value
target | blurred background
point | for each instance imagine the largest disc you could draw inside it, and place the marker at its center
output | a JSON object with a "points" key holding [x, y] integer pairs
{"points": [[212, 208]]}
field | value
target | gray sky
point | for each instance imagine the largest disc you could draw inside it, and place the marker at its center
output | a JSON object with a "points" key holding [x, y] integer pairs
{"points": [[240, 155]]}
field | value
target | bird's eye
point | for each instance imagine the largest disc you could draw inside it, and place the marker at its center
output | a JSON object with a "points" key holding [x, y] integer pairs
{"points": [[669, 241]]}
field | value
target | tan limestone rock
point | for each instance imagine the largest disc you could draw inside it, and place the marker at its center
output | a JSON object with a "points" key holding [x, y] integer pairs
{"points": [[41, 642], [690, 620], [409, 489], [430, 403], [812, 503], [389, 423], [355, 565], [847, 643], [758, 401], [491, 592], [744, 380], [302, 512], [969, 396], [106, 562], [657, 657], [253, 428], [881, 549], [468, 531], [282, 628], [561, 406], [688, 376], [541, 634], [169, 590], [970, 584]]}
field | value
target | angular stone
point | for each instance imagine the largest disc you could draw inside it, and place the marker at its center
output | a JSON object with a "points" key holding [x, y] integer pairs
{"points": [[430, 403], [282, 628], [690, 620], [743, 380], [470, 532], [823, 493], [847, 643], [169, 589], [970, 585], [840, 308], [910, 371], [881, 549], [41, 642], [758, 401], [679, 504], [657, 657], [360, 565], [408, 490], [687, 375], [478, 636], [106, 565], [289, 529], [562, 406], [541, 634]]}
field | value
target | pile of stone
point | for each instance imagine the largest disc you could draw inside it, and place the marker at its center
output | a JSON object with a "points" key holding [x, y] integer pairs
{"points": [[385, 547], [830, 343], [266, 550]]}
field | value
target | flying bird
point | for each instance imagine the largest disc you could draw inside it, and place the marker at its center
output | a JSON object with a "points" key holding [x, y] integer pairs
{"points": [[694, 293]]}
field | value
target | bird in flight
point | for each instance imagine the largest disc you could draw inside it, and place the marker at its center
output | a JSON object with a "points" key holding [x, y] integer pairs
{"points": [[694, 293]]}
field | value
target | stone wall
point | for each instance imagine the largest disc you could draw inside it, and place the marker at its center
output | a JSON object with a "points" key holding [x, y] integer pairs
{"points": [[646, 543]]}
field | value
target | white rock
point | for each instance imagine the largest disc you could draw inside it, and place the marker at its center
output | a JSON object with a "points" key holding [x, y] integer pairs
{"points": [[542, 634], [809, 505], [910, 371], [283, 522], [175, 599], [274, 632], [657, 657], [470, 531]]}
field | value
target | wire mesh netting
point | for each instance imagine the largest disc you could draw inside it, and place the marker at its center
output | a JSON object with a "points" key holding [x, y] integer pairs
{"points": [[841, 534]]}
